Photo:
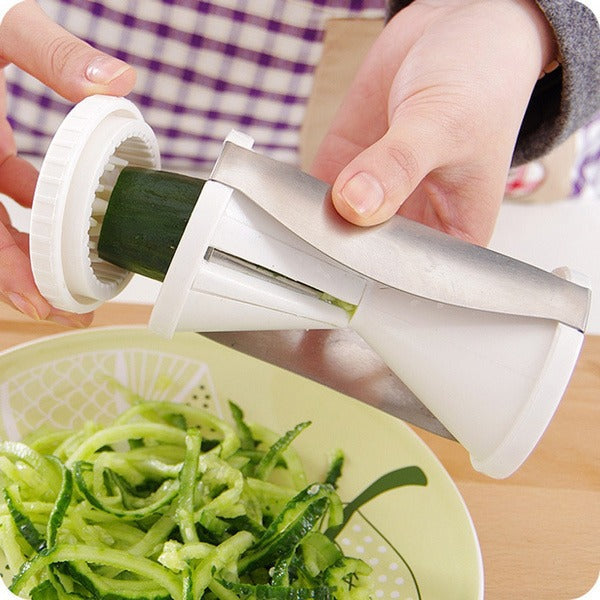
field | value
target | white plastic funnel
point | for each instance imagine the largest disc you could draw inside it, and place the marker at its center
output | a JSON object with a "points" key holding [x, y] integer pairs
{"points": [[494, 380]]}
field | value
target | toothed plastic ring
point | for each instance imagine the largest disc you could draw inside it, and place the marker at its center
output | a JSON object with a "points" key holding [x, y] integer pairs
{"points": [[99, 137]]}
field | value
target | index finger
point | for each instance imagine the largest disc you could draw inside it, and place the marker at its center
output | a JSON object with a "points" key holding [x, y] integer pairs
{"points": [[57, 58]]}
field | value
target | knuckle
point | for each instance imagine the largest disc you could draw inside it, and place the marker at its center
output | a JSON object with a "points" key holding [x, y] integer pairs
{"points": [[405, 161], [60, 52]]}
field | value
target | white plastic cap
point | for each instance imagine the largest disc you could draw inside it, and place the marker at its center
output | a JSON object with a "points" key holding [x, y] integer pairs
{"points": [[100, 136]]}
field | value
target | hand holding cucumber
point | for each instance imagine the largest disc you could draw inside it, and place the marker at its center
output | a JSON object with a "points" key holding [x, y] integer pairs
{"points": [[72, 68]]}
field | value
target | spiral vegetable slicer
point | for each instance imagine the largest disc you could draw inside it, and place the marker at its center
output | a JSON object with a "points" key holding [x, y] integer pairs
{"points": [[486, 342]]}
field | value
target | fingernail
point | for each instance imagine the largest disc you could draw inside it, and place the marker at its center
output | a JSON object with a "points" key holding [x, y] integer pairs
{"points": [[363, 193], [23, 305], [104, 69]]}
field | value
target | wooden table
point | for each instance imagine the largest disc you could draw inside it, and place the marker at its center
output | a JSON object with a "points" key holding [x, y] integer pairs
{"points": [[539, 530]]}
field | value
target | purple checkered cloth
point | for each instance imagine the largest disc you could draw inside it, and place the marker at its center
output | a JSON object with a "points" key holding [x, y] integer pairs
{"points": [[203, 69], [586, 171]]}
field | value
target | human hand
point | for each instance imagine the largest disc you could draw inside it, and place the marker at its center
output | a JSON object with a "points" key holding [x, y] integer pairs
{"points": [[72, 68], [429, 124]]}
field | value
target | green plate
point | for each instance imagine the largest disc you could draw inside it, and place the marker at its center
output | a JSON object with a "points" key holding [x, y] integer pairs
{"points": [[410, 523]]}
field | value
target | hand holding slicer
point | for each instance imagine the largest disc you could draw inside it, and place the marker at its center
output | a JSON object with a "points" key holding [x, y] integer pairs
{"points": [[487, 343]]}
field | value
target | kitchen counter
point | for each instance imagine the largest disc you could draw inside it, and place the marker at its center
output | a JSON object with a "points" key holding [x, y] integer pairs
{"points": [[539, 530]]}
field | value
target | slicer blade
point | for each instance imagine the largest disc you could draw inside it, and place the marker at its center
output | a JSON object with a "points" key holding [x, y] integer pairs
{"points": [[339, 359]]}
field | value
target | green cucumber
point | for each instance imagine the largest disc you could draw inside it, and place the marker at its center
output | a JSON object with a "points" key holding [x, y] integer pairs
{"points": [[299, 517], [349, 577], [269, 460], [23, 523], [278, 592], [145, 569], [155, 502], [63, 499], [146, 215], [138, 509], [334, 472], [44, 591]]}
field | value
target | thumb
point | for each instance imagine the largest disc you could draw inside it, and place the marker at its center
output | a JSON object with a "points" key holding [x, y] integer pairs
{"points": [[373, 186], [63, 62]]}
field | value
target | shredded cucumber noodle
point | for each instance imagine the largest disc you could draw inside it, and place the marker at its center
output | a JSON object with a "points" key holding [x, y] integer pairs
{"points": [[170, 502]]}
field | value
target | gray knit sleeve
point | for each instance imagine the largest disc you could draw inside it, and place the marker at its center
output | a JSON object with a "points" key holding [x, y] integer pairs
{"points": [[568, 97]]}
